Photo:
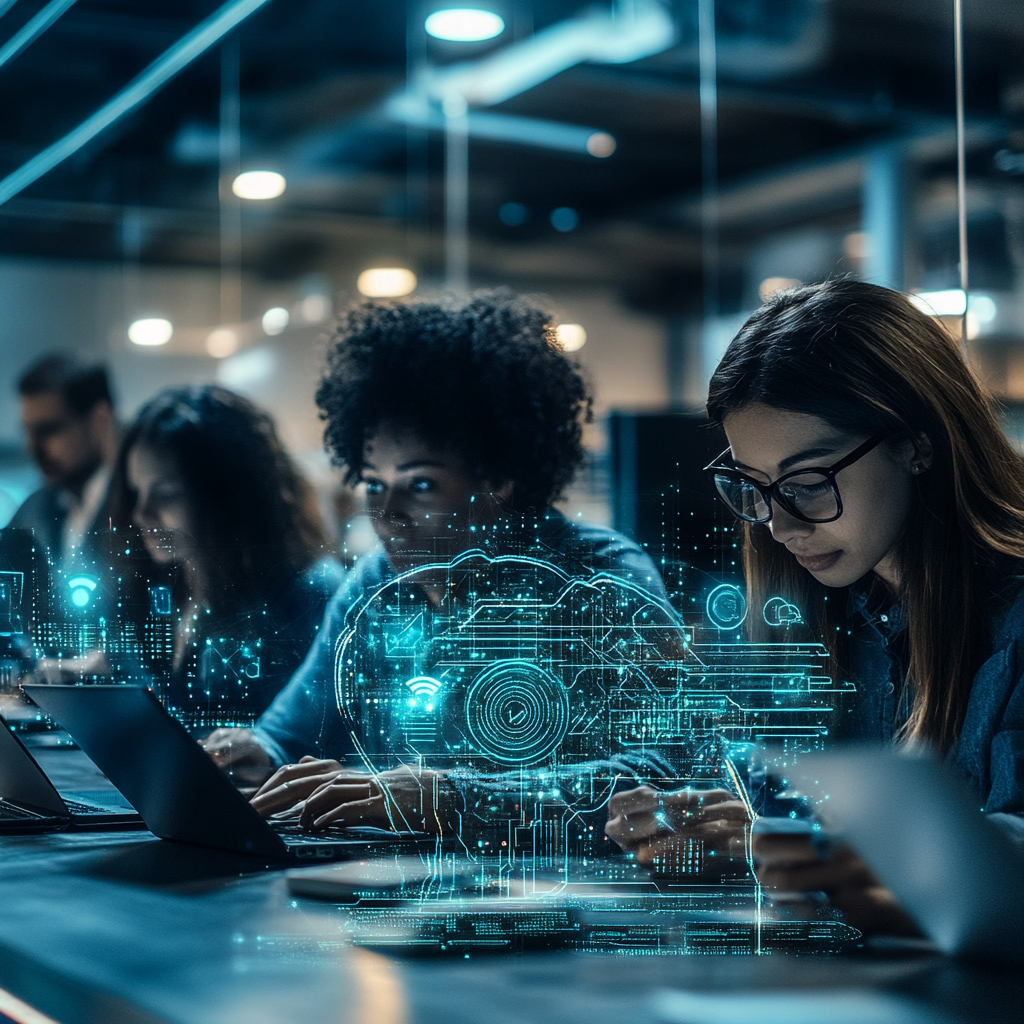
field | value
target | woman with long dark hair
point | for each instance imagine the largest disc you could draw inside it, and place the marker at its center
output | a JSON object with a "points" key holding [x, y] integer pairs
{"points": [[879, 495], [230, 531]]}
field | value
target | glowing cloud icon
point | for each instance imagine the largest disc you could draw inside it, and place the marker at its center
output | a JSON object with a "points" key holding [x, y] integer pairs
{"points": [[726, 606], [779, 612]]}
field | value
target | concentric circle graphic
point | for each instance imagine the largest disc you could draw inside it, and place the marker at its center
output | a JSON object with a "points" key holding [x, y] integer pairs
{"points": [[517, 712]]}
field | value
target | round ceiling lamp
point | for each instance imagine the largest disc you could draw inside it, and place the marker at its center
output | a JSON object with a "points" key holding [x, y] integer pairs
{"points": [[464, 25], [150, 331], [386, 282], [258, 185]]}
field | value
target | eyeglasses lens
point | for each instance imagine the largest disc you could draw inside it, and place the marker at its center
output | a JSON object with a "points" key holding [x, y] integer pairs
{"points": [[743, 498], [810, 495]]}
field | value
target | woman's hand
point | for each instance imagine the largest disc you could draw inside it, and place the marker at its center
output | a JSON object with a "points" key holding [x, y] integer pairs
{"points": [[240, 754], [791, 864], [652, 825], [403, 799], [286, 790], [323, 793]]}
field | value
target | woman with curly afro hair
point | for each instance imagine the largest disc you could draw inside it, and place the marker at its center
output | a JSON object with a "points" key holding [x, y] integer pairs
{"points": [[463, 423]]}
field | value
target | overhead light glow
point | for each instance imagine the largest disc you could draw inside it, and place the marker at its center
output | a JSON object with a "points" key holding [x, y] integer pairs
{"points": [[315, 308], [601, 144], [275, 320], [258, 185], [386, 282], [950, 302], [247, 368], [770, 285], [150, 331], [464, 25], [513, 214], [222, 343], [856, 245], [984, 308], [572, 337]]}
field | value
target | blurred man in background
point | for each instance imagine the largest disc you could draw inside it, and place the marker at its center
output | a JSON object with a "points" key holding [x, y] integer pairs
{"points": [[71, 431]]}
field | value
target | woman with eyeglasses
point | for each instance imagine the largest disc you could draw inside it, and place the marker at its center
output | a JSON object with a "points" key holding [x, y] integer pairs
{"points": [[879, 495]]}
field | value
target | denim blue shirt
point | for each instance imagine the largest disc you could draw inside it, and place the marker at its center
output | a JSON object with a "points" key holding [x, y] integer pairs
{"points": [[989, 753]]}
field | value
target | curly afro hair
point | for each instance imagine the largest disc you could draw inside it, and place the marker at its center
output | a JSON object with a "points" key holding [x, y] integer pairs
{"points": [[485, 379]]}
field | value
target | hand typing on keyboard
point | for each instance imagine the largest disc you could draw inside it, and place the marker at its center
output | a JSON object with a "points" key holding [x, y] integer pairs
{"points": [[323, 793]]}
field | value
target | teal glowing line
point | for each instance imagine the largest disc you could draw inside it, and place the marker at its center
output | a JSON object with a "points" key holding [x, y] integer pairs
{"points": [[32, 29], [6, 5], [165, 67]]}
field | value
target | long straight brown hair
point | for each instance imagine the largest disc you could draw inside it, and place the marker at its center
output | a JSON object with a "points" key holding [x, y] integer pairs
{"points": [[866, 360]]}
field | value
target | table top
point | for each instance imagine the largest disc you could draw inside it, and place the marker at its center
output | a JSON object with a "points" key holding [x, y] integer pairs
{"points": [[125, 927]]}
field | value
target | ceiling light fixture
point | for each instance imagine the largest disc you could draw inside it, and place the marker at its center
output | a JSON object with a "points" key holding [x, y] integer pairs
{"points": [[222, 342], [386, 282], [258, 185], [464, 25], [275, 320], [601, 144], [150, 331], [770, 285], [572, 337]]}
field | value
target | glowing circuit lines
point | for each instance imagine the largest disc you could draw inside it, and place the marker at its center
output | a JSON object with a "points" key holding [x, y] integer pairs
{"points": [[527, 655]]}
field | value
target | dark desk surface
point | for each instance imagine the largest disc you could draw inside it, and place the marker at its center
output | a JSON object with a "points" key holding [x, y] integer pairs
{"points": [[123, 927]]}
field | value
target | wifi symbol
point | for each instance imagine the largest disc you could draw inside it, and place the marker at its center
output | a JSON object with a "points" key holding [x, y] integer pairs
{"points": [[423, 686], [81, 588]]}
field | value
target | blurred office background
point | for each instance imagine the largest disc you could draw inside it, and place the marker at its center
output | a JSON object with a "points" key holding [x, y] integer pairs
{"points": [[649, 169]]}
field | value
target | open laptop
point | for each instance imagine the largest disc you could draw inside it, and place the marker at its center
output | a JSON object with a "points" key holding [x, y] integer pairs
{"points": [[921, 830], [180, 793], [29, 801]]}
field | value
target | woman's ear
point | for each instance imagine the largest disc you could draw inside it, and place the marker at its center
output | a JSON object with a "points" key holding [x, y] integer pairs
{"points": [[924, 454]]}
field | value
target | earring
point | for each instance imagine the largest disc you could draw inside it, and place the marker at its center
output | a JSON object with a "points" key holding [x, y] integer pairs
{"points": [[916, 469]]}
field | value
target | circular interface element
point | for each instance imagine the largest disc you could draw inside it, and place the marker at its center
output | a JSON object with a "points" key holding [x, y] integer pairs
{"points": [[517, 713], [726, 606]]}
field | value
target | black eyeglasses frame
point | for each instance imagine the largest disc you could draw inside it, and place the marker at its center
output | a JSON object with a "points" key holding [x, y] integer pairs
{"points": [[768, 491]]}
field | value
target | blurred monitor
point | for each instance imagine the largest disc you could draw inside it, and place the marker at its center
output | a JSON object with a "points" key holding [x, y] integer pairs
{"points": [[660, 495]]}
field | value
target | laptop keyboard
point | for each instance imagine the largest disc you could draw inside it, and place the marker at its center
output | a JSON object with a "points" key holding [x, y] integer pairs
{"points": [[290, 831], [76, 808]]}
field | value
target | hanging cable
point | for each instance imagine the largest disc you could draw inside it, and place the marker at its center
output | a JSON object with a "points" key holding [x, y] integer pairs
{"points": [[708, 59], [961, 157]]}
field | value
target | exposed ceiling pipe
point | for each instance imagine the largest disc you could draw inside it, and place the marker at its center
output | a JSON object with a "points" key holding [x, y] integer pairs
{"points": [[32, 29], [162, 70], [628, 31]]}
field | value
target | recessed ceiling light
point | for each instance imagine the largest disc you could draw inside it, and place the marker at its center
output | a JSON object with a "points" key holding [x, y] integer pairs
{"points": [[275, 320], [222, 342], [572, 337], [150, 331], [464, 25], [386, 282], [258, 185], [601, 144]]}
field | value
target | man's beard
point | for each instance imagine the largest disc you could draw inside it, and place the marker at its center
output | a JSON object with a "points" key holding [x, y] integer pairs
{"points": [[74, 480]]}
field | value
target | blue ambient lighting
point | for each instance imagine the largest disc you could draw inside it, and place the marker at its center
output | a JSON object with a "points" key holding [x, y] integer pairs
{"points": [[464, 25], [565, 218], [513, 214]]}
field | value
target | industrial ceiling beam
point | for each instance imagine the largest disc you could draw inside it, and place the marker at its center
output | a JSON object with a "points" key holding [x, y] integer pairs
{"points": [[162, 70], [32, 29]]}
